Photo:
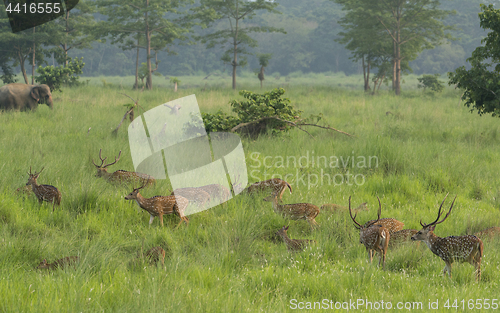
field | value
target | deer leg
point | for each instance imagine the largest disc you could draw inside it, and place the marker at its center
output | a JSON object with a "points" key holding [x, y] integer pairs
{"points": [[370, 254], [161, 218], [151, 218], [447, 268]]}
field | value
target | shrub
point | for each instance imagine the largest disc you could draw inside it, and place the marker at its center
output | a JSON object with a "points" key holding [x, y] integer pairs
{"points": [[54, 77], [431, 82]]}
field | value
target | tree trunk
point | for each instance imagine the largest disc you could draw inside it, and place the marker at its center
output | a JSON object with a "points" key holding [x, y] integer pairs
{"points": [[149, 79], [65, 45], [136, 84], [21, 63], [398, 68], [175, 86], [235, 45], [33, 61]]}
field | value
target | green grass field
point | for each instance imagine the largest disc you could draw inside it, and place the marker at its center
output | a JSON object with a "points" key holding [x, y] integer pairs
{"points": [[229, 259]]}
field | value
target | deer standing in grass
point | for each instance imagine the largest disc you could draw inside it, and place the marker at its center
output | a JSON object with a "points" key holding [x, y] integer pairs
{"points": [[467, 248], [120, 176], [47, 193], [160, 205], [61, 263], [275, 185], [373, 236], [293, 245], [296, 211]]}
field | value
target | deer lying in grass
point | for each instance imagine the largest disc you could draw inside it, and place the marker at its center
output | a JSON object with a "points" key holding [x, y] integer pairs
{"points": [[197, 195], [47, 193], [452, 248], [275, 186], [61, 263], [160, 205], [296, 211], [294, 245], [120, 176], [332, 207], [373, 236], [488, 233]]}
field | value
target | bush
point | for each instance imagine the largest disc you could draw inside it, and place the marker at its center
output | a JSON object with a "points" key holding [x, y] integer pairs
{"points": [[254, 111], [54, 77], [431, 82]]}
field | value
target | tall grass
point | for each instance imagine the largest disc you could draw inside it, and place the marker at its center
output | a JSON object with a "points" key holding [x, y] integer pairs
{"points": [[229, 258]]}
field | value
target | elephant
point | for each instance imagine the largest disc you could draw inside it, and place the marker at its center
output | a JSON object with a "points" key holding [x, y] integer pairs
{"points": [[24, 97]]}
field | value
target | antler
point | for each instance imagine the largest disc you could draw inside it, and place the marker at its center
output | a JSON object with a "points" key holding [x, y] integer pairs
{"points": [[378, 213], [357, 225], [144, 184], [36, 174], [439, 214], [102, 160]]}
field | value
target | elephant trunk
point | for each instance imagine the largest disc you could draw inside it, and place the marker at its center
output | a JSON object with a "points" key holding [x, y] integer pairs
{"points": [[49, 102]]}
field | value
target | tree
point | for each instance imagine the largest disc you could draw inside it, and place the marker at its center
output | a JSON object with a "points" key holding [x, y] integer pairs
{"points": [[160, 23], [263, 62], [481, 83], [237, 36], [413, 24]]}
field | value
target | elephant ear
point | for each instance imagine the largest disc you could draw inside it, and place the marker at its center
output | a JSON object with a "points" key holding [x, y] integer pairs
{"points": [[35, 94]]}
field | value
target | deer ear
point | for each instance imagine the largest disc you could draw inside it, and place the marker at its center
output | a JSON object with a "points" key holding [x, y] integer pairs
{"points": [[431, 228]]}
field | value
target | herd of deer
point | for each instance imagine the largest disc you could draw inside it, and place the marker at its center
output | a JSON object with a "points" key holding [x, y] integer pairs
{"points": [[375, 235]]}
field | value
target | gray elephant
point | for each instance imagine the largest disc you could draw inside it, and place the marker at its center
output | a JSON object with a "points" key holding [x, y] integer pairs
{"points": [[24, 97]]}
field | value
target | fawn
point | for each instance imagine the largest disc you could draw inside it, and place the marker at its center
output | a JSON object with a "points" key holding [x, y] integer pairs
{"points": [[120, 176], [275, 185], [197, 195], [160, 205], [488, 233], [47, 193], [467, 248], [61, 263], [296, 211], [332, 207], [293, 245], [373, 236]]}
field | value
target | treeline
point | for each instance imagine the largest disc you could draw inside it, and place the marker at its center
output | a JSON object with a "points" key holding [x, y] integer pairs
{"points": [[311, 43]]}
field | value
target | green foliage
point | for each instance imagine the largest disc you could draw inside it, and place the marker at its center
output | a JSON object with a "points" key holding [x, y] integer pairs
{"points": [[8, 76], [55, 77], [175, 80], [432, 82], [481, 83], [254, 110]]}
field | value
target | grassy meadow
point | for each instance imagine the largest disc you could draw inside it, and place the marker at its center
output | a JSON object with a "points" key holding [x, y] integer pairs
{"points": [[229, 259]]}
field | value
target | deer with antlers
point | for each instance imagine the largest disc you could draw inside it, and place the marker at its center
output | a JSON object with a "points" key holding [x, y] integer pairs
{"points": [[295, 211], [120, 176], [47, 193], [160, 205], [467, 248], [372, 235]]}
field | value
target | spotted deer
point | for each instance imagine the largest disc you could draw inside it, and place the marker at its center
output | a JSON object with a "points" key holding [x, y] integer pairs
{"points": [[373, 236], [296, 211], [488, 233], [61, 263], [217, 191], [293, 245], [332, 207], [391, 224], [275, 186], [401, 236], [47, 193], [120, 176], [160, 205], [467, 248], [197, 195]]}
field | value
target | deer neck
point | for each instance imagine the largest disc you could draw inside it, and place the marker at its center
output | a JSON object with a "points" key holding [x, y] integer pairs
{"points": [[34, 185], [141, 201], [431, 241], [285, 238], [276, 205]]}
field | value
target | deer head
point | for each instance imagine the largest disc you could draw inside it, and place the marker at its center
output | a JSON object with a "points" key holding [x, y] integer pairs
{"points": [[428, 229], [101, 169], [32, 177], [359, 226], [133, 194]]}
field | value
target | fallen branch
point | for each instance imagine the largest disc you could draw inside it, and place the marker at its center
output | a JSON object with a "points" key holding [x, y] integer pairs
{"points": [[125, 116], [290, 123]]}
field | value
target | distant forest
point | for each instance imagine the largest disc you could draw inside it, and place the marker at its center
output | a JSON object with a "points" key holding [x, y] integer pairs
{"points": [[308, 46]]}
